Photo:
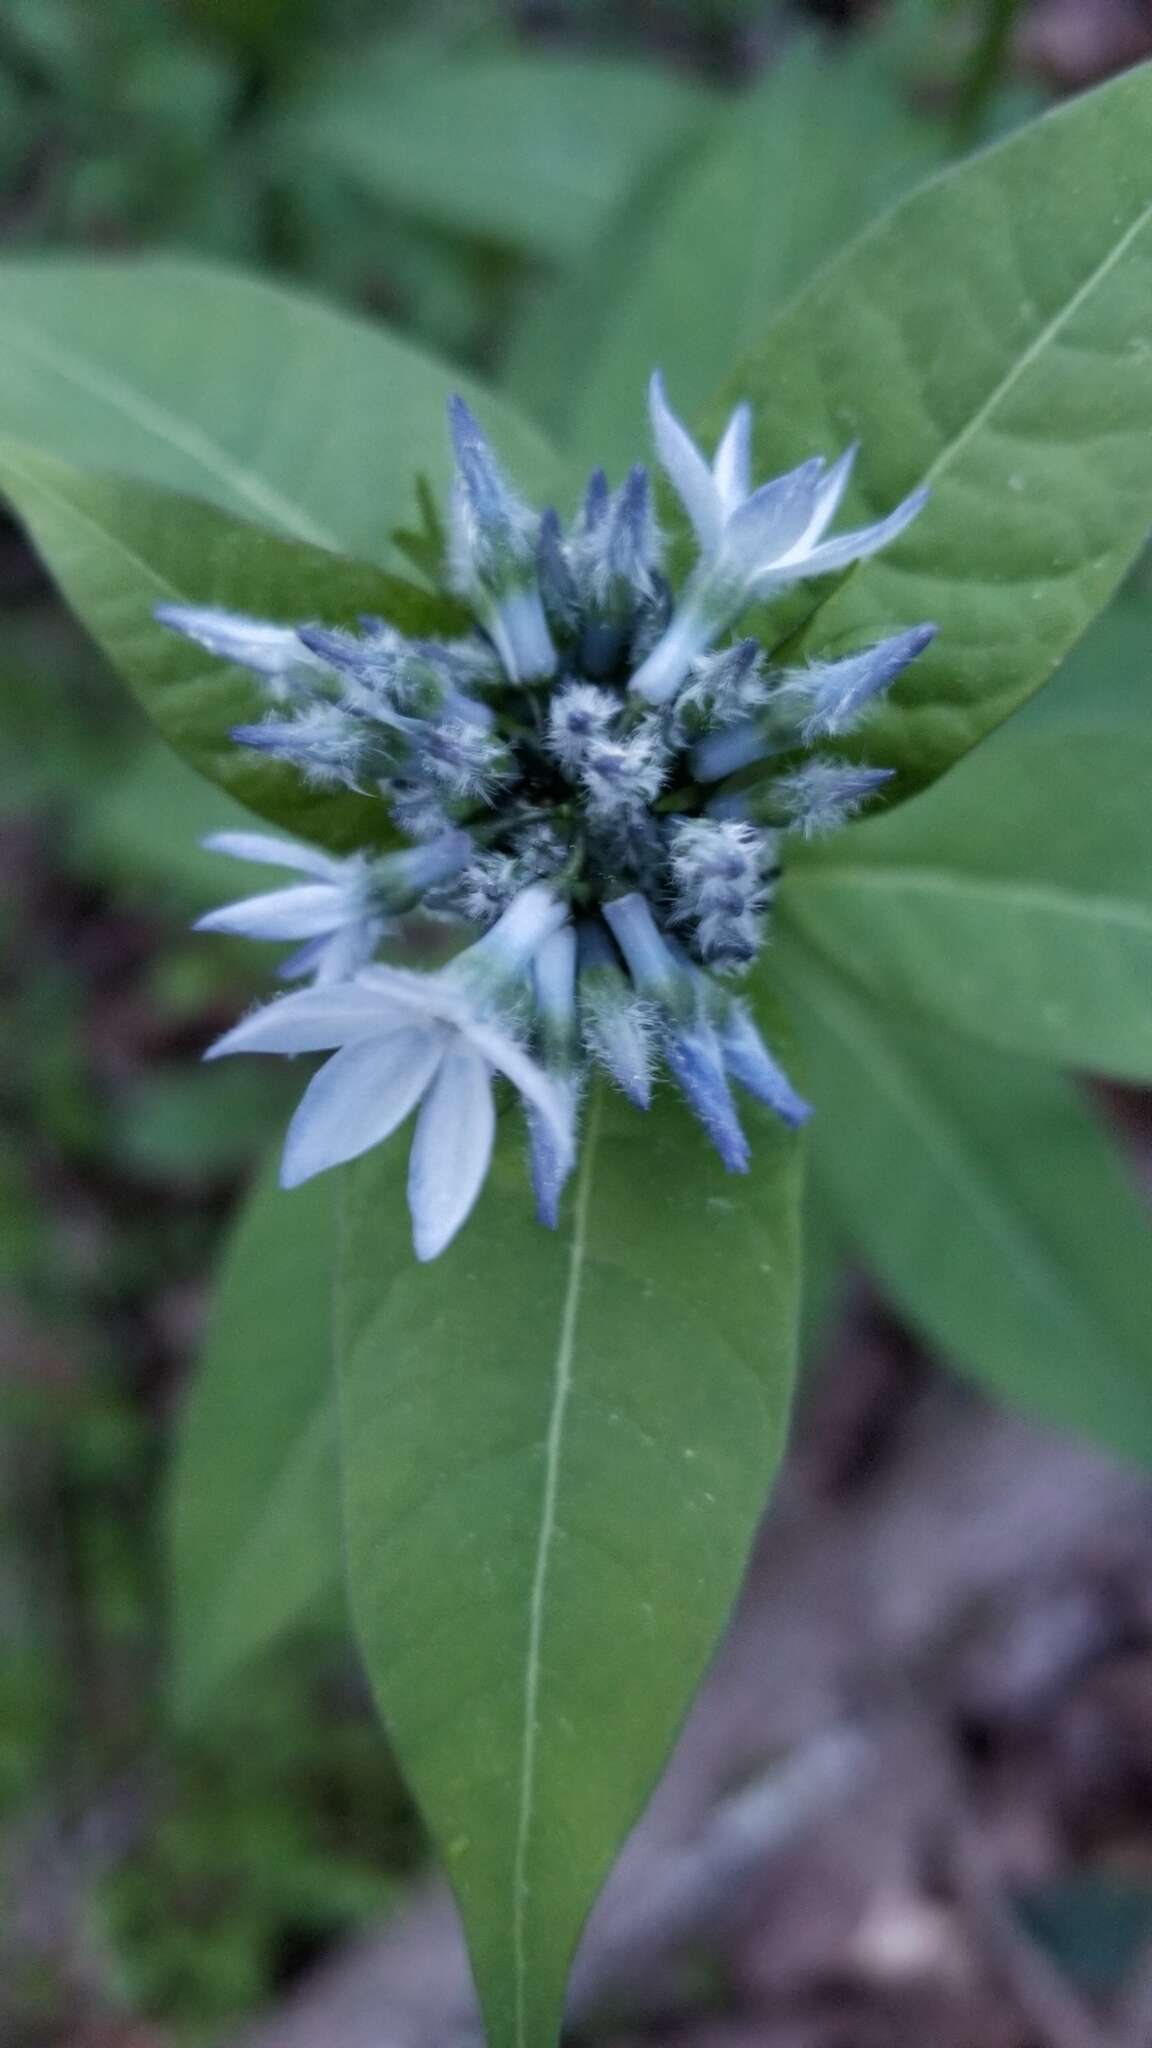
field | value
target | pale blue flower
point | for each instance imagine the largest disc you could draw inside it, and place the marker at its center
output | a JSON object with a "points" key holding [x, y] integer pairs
{"points": [[594, 783], [753, 543], [401, 1039], [346, 908]]}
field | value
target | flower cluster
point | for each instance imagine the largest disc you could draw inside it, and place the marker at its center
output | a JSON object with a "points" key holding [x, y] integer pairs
{"points": [[595, 784]]}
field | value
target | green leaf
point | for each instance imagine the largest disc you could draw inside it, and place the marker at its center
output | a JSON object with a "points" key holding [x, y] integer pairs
{"points": [[1013, 901], [556, 1448], [530, 151], [692, 299], [988, 337], [254, 1540], [991, 1205], [270, 404], [118, 549], [1106, 680]]}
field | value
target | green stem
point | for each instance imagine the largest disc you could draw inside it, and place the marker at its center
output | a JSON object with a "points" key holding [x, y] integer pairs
{"points": [[985, 69]]}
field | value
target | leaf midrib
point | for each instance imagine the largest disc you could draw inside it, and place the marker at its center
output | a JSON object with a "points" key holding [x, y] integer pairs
{"points": [[553, 1450], [169, 428]]}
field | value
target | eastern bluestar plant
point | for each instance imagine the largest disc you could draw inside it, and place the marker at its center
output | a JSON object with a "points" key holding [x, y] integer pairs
{"points": [[596, 783]]}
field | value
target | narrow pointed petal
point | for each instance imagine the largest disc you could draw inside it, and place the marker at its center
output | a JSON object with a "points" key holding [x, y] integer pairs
{"points": [[829, 499], [840, 692], [275, 853], [749, 1061], [300, 913], [697, 1066], [359, 1097], [258, 644], [686, 468], [867, 540], [732, 468], [546, 1095], [771, 521], [307, 959], [451, 1149], [314, 1020], [490, 497], [550, 1163]]}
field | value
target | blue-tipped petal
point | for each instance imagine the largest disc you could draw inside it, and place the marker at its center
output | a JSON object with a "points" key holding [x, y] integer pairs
{"points": [[835, 694], [749, 1062], [853, 547], [698, 1067], [824, 793], [551, 1162]]}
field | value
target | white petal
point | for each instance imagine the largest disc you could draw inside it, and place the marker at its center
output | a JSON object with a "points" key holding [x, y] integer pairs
{"points": [[451, 1149], [301, 913], [691, 633], [314, 1020], [357, 1100], [549, 1097], [732, 467], [771, 521], [686, 467], [276, 853], [867, 540], [407, 990], [827, 503], [261, 644]]}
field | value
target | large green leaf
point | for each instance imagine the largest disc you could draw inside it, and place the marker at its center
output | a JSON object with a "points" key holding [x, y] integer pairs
{"points": [[119, 549], [270, 404], [527, 150], [254, 1523], [1106, 680], [1014, 900], [691, 298], [988, 337], [991, 1204], [556, 1449]]}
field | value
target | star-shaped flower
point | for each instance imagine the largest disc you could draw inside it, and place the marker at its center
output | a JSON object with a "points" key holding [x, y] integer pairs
{"points": [[753, 542], [401, 1039], [346, 908]]}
